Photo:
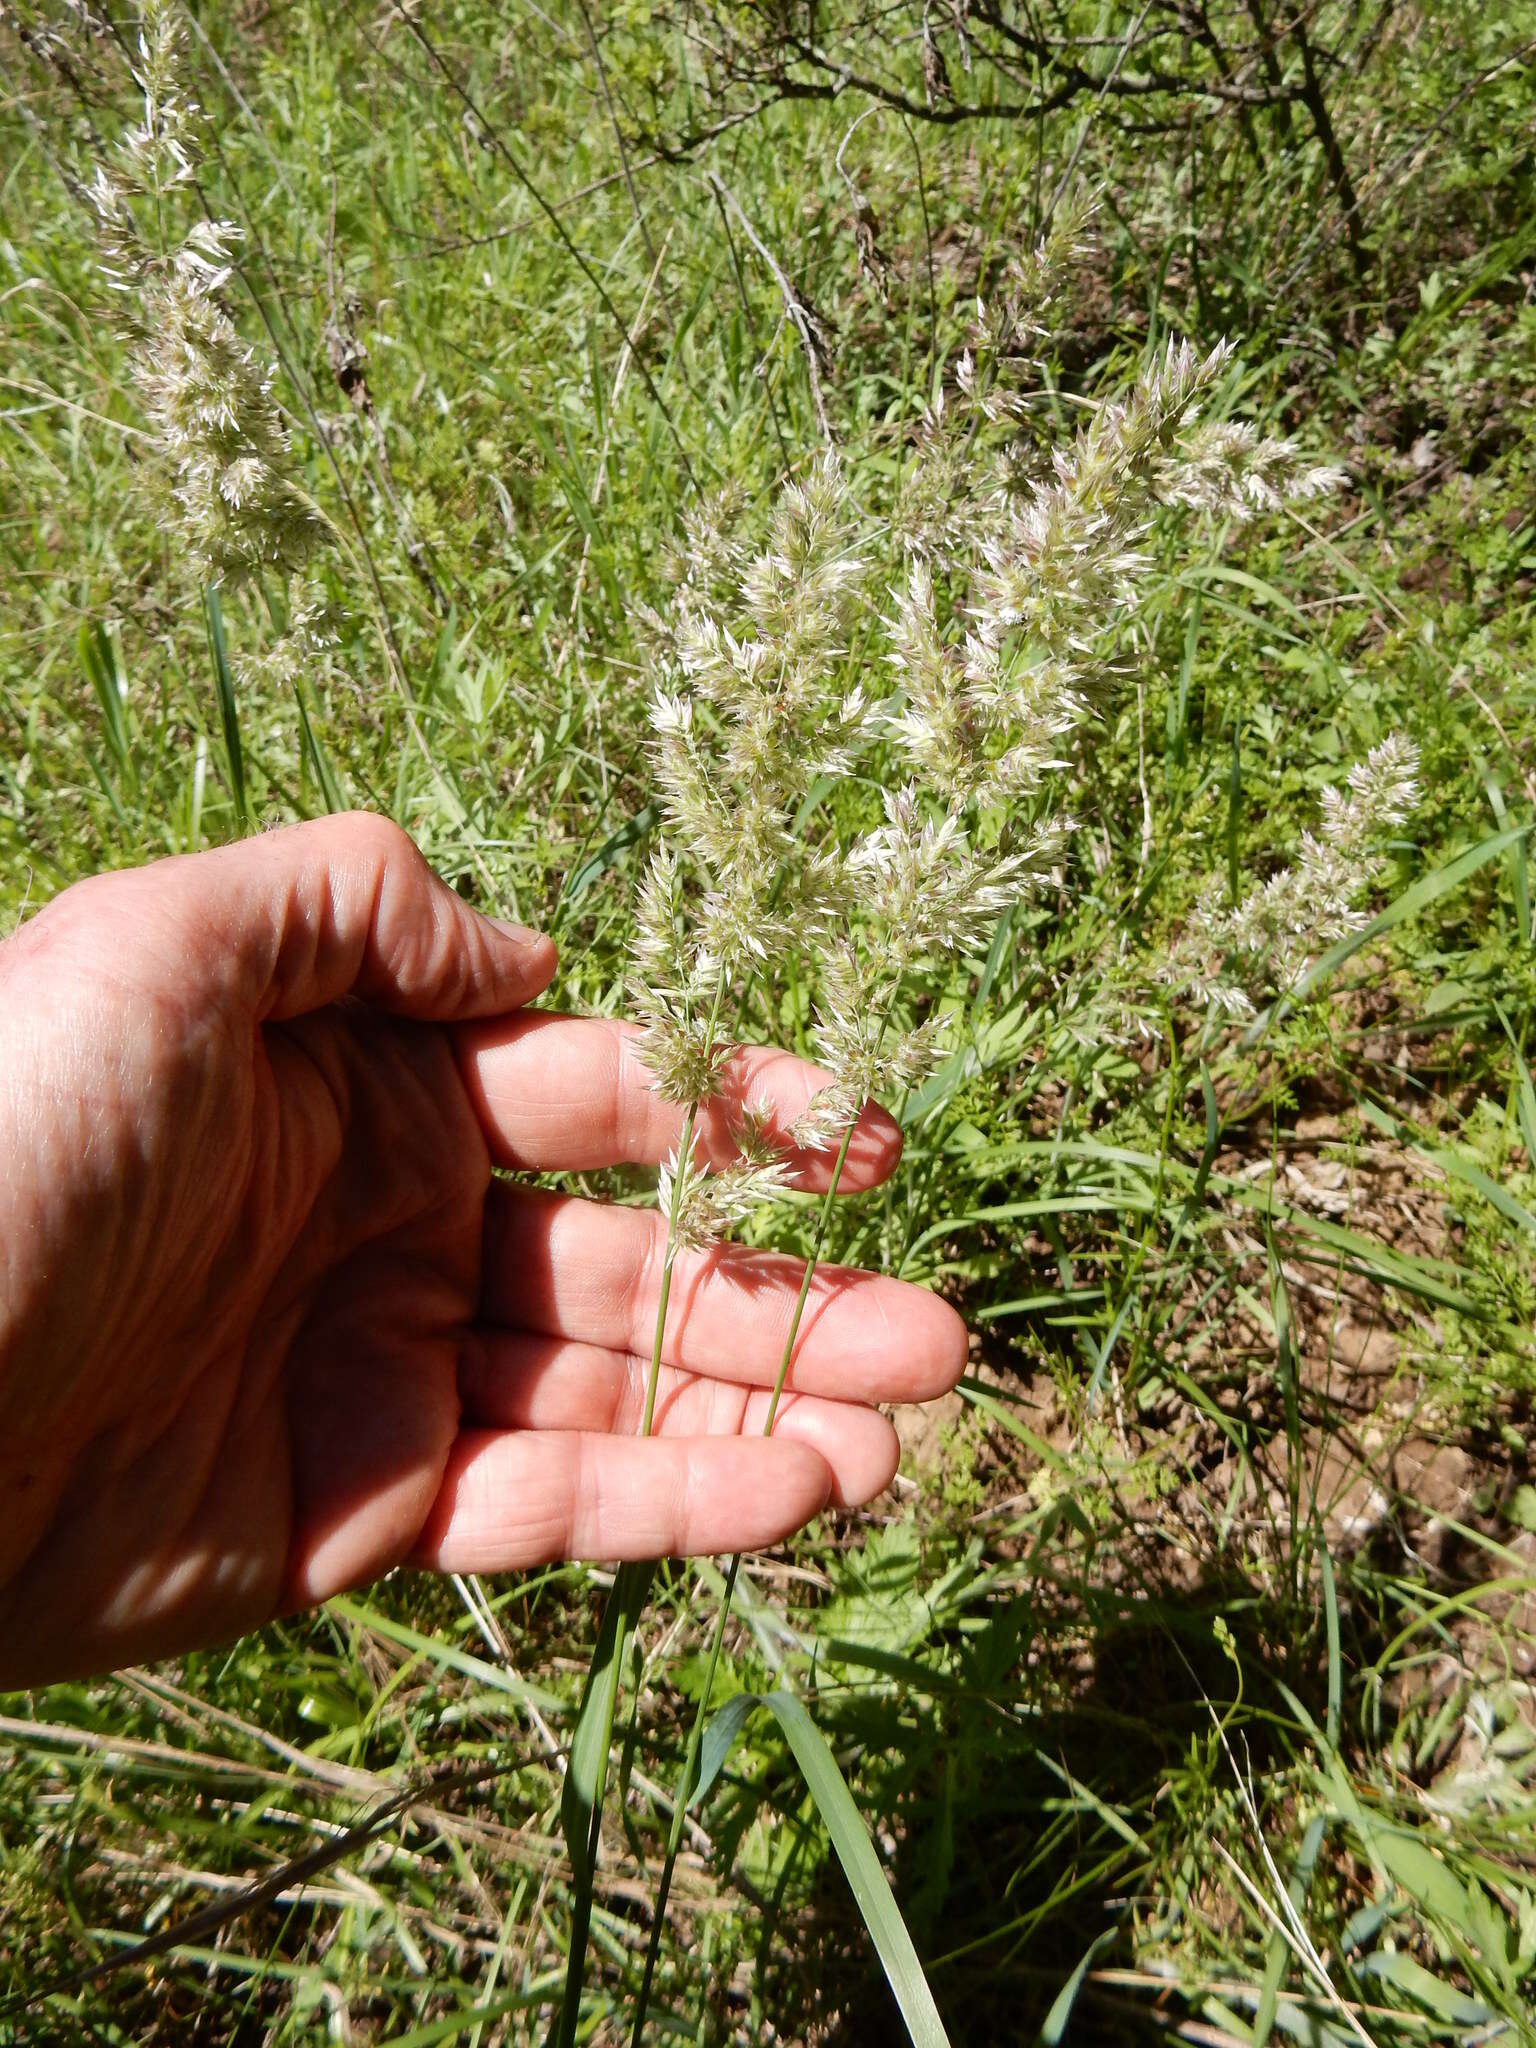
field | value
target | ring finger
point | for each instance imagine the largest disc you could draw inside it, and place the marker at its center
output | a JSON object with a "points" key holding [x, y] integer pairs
{"points": [[509, 1380]]}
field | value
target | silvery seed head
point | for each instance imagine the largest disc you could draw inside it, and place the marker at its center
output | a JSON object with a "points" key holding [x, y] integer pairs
{"points": [[1270, 937]]}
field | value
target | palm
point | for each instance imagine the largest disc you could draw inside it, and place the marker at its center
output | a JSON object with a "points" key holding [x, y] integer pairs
{"points": [[355, 1322], [308, 1336]]}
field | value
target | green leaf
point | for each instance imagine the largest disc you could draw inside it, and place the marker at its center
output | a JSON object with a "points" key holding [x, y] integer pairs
{"points": [[581, 1802], [1519, 874], [446, 1654], [720, 1739], [850, 1838], [1278, 1955], [318, 760], [1178, 704], [1335, 1662], [1432, 1885], [878, 1601], [453, 2024], [586, 1773], [1441, 1998], [1054, 2025], [1452, 1163], [98, 657], [1241, 579], [1525, 1088], [597, 865], [229, 710]]}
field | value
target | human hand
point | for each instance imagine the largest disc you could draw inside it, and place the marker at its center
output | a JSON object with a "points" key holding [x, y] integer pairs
{"points": [[268, 1326]]}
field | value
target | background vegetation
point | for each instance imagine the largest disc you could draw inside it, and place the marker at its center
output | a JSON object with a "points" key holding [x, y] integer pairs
{"points": [[1185, 1678]]}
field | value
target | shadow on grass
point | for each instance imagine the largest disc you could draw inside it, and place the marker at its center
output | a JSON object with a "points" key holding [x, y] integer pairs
{"points": [[1050, 1781]]}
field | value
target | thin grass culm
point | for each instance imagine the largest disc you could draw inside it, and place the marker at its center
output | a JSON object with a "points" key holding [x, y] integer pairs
{"points": [[701, 936]]}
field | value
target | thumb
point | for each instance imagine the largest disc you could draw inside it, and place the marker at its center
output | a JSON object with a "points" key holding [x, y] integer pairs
{"points": [[344, 906]]}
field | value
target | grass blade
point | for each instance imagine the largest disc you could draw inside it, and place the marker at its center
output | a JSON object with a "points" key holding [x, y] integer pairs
{"points": [[318, 760], [229, 710], [1054, 2026], [597, 865], [586, 1776], [850, 1838], [1335, 1661], [99, 658]]}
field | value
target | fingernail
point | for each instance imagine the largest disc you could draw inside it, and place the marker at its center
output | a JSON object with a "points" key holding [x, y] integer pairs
{"points": [[520, 932]]}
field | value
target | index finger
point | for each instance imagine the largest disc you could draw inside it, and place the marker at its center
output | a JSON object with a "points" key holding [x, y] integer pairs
{"points": [[569, 1093]]}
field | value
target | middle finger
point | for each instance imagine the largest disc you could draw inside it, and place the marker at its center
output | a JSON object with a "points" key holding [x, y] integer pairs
{"points": [[592, 1271]]}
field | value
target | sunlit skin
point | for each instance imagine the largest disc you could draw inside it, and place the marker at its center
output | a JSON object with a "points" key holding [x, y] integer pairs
{"points": [[269, 1326]]}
